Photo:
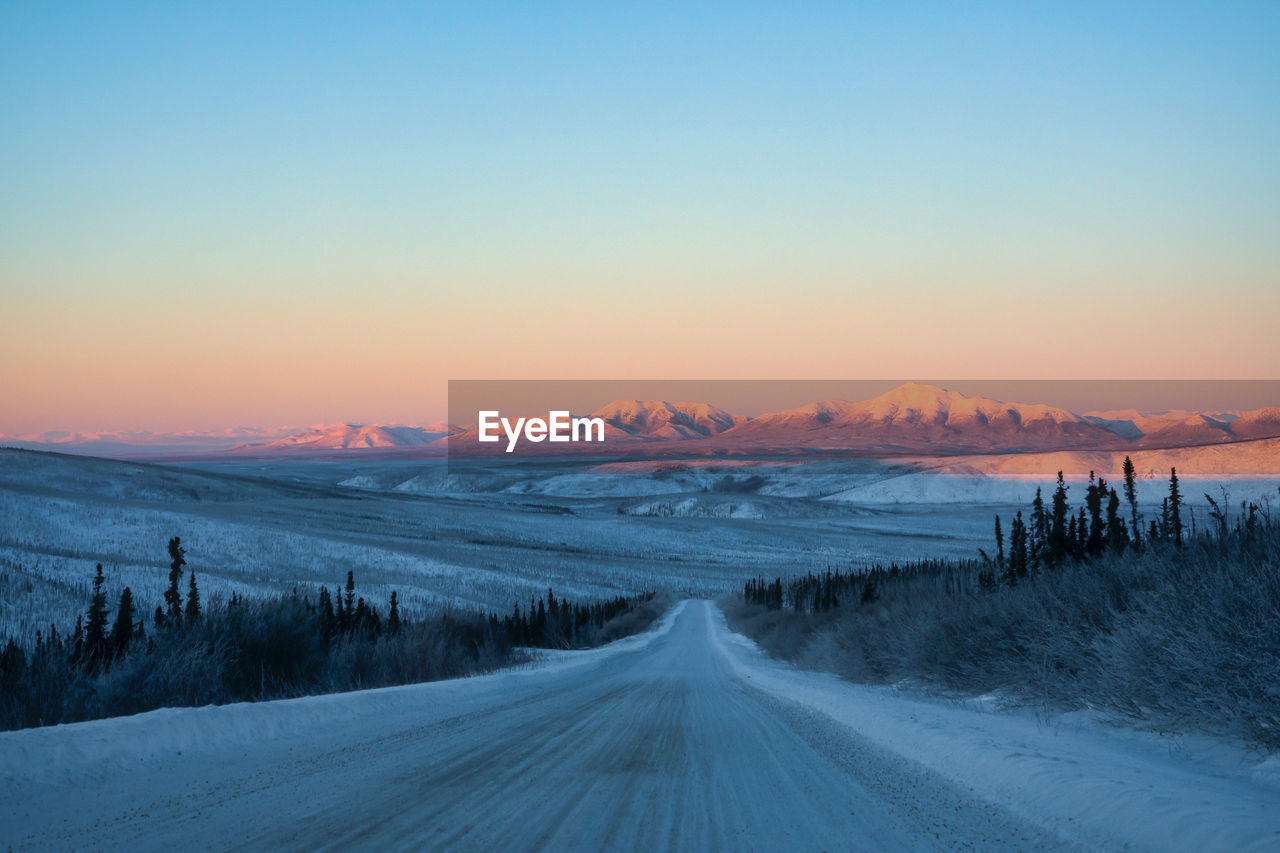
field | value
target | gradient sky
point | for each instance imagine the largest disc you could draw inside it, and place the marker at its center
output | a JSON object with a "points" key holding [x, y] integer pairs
{"points": [[216, 214]]}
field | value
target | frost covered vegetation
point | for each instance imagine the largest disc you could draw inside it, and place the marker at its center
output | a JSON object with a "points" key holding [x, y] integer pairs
{"points": [[1177, 629], [121, 660], [262, 529], [552, 623]]}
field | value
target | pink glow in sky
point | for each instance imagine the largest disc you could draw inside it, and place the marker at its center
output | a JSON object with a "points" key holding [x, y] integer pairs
{"points": [[211, 218]]}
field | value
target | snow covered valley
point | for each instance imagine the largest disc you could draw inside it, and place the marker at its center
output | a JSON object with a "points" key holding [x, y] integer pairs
{"points": [[685, 737]]}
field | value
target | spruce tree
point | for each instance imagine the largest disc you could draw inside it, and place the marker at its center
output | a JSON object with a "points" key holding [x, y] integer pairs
{"points": [[327, 620], [1082, 534], [1058, 541], [999, 546], [122, 630], [1117, 536], [1019, 558], [869, 591], [1039, 527], [95, 627], [193, 600], [1093, 536], [1131, 495], [393, 619], [1175, 507], [13, 666], [172, 597]]}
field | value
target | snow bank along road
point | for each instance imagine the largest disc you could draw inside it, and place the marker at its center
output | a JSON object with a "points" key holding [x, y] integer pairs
{"points": [[682, 738]]}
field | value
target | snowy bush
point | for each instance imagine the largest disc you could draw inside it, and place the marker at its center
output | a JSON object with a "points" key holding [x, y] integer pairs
{"points": [[1175, 638]]}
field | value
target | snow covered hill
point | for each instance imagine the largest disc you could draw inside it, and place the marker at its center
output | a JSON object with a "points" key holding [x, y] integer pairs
{"points": [[351, 436], [1259, 423], [917, 417], [142, 442], [660, 419]]}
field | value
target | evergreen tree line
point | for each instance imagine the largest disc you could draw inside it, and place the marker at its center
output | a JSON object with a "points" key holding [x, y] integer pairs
{"points": [[552, 623], [1055, 533], [818, 593], [264, 648], [1052, 534], [1178, 628], [1103, 525]]}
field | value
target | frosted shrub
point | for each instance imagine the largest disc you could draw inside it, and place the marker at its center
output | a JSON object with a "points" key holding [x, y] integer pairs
{"points": [[1176, 638]]}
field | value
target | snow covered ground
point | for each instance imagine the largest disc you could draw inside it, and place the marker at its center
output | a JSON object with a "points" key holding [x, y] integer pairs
{"points": [[498, 533], [488, 536], [485, 542], [682, 738]]}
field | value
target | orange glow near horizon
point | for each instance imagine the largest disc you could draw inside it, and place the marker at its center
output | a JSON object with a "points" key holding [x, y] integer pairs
{"points": [[214, 219], [182, 362]]}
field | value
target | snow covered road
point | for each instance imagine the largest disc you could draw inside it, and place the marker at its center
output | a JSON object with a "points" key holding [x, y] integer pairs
{"points": [[682, 738]]}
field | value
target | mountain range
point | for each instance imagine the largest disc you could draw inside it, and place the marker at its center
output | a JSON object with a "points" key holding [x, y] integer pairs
{"points": [[912, 418], [350, 437], [919, 417]]}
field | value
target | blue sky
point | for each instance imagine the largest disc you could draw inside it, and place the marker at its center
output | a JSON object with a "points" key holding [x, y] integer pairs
{"points": [[793, 158]]}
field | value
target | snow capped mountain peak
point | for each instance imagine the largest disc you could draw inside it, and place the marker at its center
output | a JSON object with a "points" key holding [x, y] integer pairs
{"points": [[917, 403], [1259, 423], [912, 417], [925, 417], [913, 401], [802, 418], [661, 419], [634, 410]]}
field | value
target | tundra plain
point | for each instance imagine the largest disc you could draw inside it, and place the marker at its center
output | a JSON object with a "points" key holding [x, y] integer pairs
{"points": [[488, 535]]}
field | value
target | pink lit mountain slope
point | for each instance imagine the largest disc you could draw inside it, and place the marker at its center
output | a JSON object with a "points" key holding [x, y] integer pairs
{"points": [[626, 422], [659, 419], [352, 436], [1169, 428], [923, 417], [1259, 423], [912, 418]]}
